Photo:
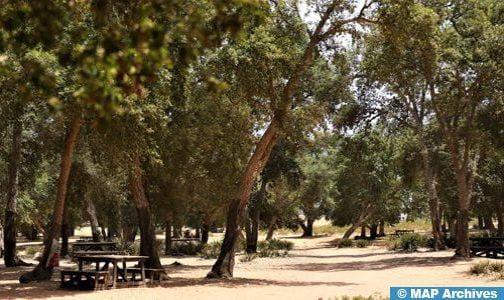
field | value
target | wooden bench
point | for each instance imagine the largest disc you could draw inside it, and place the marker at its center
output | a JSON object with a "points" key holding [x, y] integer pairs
{"points": [[488, 251], [154, 275], [84, 280]]}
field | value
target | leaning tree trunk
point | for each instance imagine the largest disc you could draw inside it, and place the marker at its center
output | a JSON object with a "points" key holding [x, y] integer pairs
{"points": [[10, 258], [93, 220], [148, 246], [50, 256], [430, 186], [363, 217], [224, 265]]}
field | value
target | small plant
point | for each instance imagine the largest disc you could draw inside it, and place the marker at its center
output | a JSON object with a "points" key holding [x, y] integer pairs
{"points": [[191, 248], [495, 269], [274, 248], [362, 243], [131, 248], [408, 242], [32, 250], [211, 250], [248, 257], [345, 243]]}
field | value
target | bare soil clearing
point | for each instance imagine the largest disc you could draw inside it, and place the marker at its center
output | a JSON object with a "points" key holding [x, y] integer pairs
{"points": [[313, 270]]}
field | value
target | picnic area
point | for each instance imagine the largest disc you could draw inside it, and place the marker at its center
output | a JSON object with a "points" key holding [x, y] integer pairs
{"points": [[265, 149]]}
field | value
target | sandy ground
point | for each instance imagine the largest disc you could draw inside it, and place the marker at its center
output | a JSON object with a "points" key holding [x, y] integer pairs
{"points": [[313, 270]]}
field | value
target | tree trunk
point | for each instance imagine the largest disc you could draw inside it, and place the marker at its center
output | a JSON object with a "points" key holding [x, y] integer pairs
{"points": [[50, 257], [430, 186], [373, 231], [271, 229], [168, 236], [500, 219], [381, 230], [308, 228], [489, 225], [254, 218], [148, 246], [481, 224], [93, 220], [10, 258], [224, 265], [204, 233], [363, 231]]}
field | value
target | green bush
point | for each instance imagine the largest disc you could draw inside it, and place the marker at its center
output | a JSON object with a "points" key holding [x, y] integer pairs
{"points": [[408, 242], [32, 250], [362, 243], [274, 248], [191, 248], [345, 243], [495, 269], [211, 250], [131, 248]]}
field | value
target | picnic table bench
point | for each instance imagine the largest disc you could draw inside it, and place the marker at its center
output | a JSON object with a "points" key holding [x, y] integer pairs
{"points": [[400, 232], [118, 273], [107, 252], [89, 280], [491, 247], [154, 275]]}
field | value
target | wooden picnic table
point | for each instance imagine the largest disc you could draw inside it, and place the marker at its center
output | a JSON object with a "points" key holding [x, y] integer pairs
{"points": [[105, 252], [115, 260], [492, 247], [93, 246]]}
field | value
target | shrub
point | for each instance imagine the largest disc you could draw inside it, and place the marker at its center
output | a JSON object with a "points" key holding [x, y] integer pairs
{"points": [[345, 243], [248, 257], [274, 248], [495, 269], [191, 248], [131, 248], [32, 250], [211, 250], [393, 243], [412, 241], [362, 243]]}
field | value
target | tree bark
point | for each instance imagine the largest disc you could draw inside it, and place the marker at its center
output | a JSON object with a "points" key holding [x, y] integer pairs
{"points": [[168, 236], [93, 220], [464, 188], [50, 256], [10, 258], [373, 231], [381, 229], [430, 187], [148, 245], [204, 233], [224, 265], [364, 215], [363, 231], [254, 218], [500, 219], [308, 228], [271, 229], [489, 225]]}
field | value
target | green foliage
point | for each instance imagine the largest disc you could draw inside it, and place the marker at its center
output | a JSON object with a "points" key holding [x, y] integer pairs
{"points": [[248, 257], [408, 242], [362, 243], [192, 248], [211, 250], [345, 243], [274, 248]]}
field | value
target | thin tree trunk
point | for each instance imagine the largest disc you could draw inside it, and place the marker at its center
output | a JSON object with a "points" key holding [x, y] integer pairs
{"points": [[10, 258], [204, 233], [93, 220], [481, 224], [168, 236], [271, 229], [50, 257], [381, 229], [148, 245], [255, 215], [464, 187], [430, 186], [489, 225]]}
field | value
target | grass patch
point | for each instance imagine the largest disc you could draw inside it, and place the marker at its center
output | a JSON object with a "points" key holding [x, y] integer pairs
{"points": [[487, 268], [32, 250], [274, 248]]}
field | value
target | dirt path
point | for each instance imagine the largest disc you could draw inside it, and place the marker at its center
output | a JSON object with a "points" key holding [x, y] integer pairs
{"points": [[313, 270]]}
